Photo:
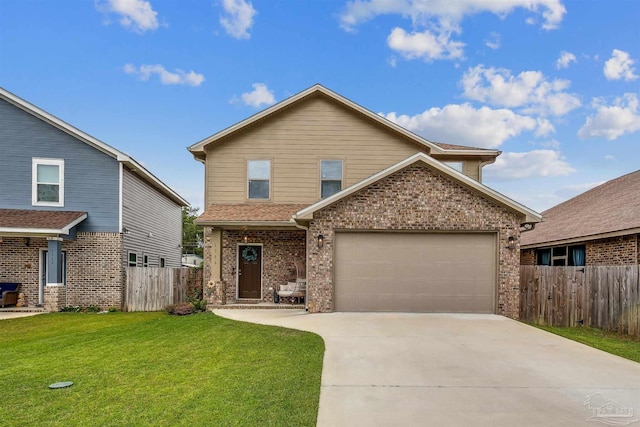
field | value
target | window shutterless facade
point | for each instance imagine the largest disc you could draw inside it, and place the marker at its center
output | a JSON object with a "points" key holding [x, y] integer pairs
{"points": [[259, 179], [330, 177], [47, 181]]}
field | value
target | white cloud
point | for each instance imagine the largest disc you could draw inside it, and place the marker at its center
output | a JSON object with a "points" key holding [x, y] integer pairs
{"points": [[434, 21], [178, 77], [613, 121], [137, 15], [238, 18], [493, 42], [258, 97], [565, 59], [609, 157], [619, 66], [425, 45], [528, 164], [529, 90], [465, 125]]}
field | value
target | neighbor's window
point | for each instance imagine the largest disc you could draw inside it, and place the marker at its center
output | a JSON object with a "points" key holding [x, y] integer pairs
{"points": [[48, 182], [456, 165], [163, 262], [133, 259], [330, 177], [259, 174], [145, 260], [561, 256]]}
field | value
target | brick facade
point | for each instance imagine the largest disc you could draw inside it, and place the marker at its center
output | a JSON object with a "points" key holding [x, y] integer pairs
{"points": [[95, 274], [279, 249], [415, 198], [623, 250]]}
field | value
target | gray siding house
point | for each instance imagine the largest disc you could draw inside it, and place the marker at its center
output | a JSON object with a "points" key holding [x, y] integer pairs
{"points": [[74, 212]]}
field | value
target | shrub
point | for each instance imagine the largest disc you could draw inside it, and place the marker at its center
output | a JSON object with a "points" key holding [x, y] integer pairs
{"points": [[92, 309], [198, 304], [181, 309], [113, 309], [71, 309]]}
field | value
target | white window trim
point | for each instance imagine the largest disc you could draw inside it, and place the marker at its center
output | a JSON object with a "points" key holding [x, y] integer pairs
{"points": [[129, 259], [270, 179], [34, 180], [320, 175]]}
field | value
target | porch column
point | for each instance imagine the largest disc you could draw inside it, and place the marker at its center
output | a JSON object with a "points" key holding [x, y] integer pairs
{"points": [[216, 255], [54, 261]]}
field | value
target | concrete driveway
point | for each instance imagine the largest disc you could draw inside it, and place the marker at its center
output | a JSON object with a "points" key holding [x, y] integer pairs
{"points": [[458, 370]]}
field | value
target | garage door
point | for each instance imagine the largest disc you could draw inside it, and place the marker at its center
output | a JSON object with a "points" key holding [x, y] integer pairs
{"points": [[407, 272]]}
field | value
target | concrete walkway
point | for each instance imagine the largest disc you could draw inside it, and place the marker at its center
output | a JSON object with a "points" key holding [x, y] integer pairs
{"points": [[457, 370]]}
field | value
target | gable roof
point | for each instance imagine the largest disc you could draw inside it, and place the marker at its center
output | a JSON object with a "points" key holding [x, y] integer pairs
{"points": [[528, 215], [611, 209], [121, 157], [198, 149], [37, 222]]}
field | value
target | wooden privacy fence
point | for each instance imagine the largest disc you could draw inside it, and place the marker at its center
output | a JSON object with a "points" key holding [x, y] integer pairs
{"points": [[154, 288], [605, 297]]}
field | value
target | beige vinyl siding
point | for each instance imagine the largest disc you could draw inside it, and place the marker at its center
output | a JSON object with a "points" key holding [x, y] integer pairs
{"points": [[296, 140]]}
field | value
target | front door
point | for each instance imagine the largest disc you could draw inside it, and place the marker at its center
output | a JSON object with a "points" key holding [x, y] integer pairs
{"points": [[249, 272]]}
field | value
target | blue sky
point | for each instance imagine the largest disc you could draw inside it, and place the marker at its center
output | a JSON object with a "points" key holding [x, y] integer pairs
{"points": [[553, 84]]}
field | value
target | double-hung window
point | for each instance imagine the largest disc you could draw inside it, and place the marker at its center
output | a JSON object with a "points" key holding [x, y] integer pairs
{"points": [[47, 180], [259, 179], [330, 177]]}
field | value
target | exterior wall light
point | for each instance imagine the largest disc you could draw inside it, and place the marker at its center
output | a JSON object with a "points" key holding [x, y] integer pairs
{"points": [[512, 243], [320, 240]]}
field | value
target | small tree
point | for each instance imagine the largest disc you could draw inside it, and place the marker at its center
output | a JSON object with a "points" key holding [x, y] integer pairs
{"points": [[192, 234]]}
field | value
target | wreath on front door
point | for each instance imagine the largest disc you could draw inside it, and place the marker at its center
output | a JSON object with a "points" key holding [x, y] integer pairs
{"points": [[249, 254]]}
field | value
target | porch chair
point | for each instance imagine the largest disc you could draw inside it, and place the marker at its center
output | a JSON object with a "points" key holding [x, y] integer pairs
{"points": [[9, 293], [297, 289]]}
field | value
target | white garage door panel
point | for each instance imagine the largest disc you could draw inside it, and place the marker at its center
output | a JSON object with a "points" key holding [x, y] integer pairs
{"points": [[439, 272]]}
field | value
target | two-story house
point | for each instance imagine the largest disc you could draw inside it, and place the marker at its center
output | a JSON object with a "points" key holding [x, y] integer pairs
{"points": [[74, 212], [383, 219]]}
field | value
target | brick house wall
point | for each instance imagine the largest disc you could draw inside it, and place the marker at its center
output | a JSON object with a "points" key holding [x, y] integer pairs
{"points": [[279, 249], [415, 198], [623, 250], [95, 274]]}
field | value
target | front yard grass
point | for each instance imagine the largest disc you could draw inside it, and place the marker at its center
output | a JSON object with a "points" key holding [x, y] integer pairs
{"points": [[152, 369], [620, 345]]}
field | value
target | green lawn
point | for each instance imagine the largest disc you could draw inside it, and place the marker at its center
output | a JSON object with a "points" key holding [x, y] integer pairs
{"points": [[620, 345], [152, 369]]}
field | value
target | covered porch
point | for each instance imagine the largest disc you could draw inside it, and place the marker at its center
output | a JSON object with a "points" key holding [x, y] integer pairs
{"points": [[31, 250], [250, 251]]}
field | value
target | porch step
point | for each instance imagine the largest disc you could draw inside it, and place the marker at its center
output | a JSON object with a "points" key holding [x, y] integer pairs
{"points": [[256, 306]]}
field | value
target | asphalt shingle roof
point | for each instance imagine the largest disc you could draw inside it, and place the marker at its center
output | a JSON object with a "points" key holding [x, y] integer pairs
{"points": [[611, 207], [249, 212], [24, 218]]}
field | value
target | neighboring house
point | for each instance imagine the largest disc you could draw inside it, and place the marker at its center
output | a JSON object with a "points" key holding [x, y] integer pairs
{"points": [[598, 227], [191, 260], [74, 212], [384, 219]]}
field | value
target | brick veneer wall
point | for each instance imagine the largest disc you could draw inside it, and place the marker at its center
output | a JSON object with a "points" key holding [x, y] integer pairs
{"points": [[613, 251], [280, 248], [95, 275], [528, 257], [415, 198]]}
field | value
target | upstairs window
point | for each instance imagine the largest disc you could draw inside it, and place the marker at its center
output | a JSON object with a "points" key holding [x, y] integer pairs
{"points": [[47, 179], [330, 177], [259, 177]]}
